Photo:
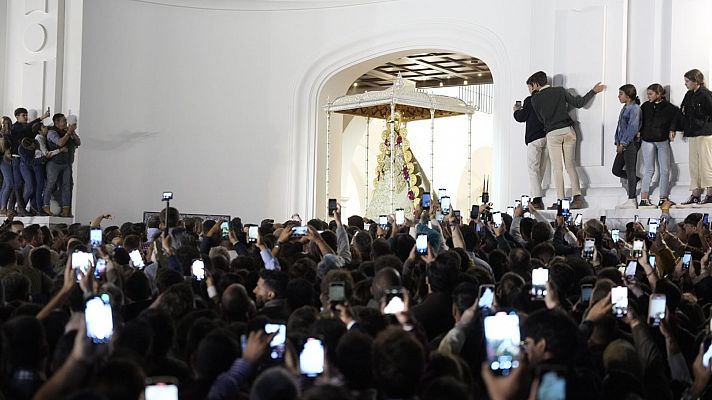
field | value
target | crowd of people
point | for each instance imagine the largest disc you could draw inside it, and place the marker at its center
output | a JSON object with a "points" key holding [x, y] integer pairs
{"points": [[37, 156], [648, 128], [356, 309]]}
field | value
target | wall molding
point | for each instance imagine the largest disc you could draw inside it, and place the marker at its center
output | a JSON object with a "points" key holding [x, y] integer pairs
{"points": [[262, 5]]}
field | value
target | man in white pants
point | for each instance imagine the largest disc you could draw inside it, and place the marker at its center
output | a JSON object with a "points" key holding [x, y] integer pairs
{"points": [[535, 139]]}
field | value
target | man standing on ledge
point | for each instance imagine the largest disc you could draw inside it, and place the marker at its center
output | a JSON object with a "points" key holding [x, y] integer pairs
{"points": [[551, 105], [535, 139]]}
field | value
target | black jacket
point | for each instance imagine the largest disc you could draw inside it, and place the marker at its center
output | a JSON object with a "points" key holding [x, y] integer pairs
{"points": [[658, 120], [552, 105], [697, 113], [534, 128]]}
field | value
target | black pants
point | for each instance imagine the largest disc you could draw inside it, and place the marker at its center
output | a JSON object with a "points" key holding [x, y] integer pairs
{"points": [[625, 163]]}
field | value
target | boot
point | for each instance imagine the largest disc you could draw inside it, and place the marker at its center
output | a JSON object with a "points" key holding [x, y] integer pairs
{"points": [[66, 212], [46, 211], [578, 202]]}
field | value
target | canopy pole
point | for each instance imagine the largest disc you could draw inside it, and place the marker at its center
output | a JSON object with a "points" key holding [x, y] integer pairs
{"points": [[432, 151], [392, 140], [368, 132], [469, 158], [328, 154]]}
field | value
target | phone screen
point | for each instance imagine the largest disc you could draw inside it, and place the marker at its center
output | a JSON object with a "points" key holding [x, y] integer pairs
{"points": [[486, 296], [337, 293], [706, 219], [100, 268], [652, 228], [615, 235], [198, 270], [631, 268], [98, 317], [394, 301], [277, 345], [136, 259], [540, 276], [311, 359], [167, 195], [225, 229], [497, 219], [383, 220], [510, 211], [656, 310], [651, 261], [445, 203], [552, 385], [400, 216], [161, 391], [578, 221], [421, 244], [586, 291], [503, 342], [565, 205], [426, 200], [708, 353], [298, 231], [525, 200], [637, 248], [588, 248], [81, 262], [95, 237], [252, 234], [442, 193], [619, 299], [686, 259]]}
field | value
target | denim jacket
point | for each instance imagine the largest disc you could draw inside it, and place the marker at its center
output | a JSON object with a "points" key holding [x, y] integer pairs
{"points": [[629, 123]]}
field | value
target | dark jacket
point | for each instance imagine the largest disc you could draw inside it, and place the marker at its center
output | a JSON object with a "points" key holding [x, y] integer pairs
{"points": [[534, 128], [435, 314], [20, 131], [552, 104], [658, 120], [697, 113]]}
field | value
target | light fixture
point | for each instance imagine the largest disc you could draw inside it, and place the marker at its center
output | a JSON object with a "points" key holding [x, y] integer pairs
{"points": [[441, 84], [465, 82], [355, 84], [480, 74]]}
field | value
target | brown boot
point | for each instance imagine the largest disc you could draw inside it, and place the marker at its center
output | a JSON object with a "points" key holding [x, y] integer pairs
{"points": [[578, 202], [46, 211], [66, 212]]}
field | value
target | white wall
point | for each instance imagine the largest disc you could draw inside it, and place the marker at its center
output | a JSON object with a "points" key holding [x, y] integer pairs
{"points": [[220, 100]]}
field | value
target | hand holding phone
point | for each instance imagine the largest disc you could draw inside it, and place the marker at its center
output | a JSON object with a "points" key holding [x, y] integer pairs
{"points": [[503, 342], [656, 309], [540, 277], [99, 318]]}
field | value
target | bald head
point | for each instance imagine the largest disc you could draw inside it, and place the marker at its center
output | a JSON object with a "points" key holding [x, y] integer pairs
{"points": [[236, 304], [385, 278]]}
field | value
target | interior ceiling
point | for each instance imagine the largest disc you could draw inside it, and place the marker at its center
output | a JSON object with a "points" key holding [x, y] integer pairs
{"points": [[426, 70]]}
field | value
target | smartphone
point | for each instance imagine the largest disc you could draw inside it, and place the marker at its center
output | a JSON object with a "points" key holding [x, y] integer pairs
{"points": [[161, 388], [651, 261], [708, 353], [619, 299], [552, 384], [167, 196], [706, 220], [332, 206], [311, 359], [588, 247], [442, 193], [656, 309], [395, 302], [136, 259], [400, 216], [603, 219], [540, 276], [486, 299], [252, 234], [99, 319], [300, 231], [525, 201], [652, 228], [518, 104], [475, 211], [225, 229], [100, 268], [578, 221], [510, 211], [95, 237], [497, 219], [421, 244], [426, 200], [565, 207], [686, 259], [198, 270], [445, 203], [81, 262], [439, 216], [278, 343], [503, 341], [631, 269], [337, 292], [383, 221], [637, 248], [586, 291], [615, 235], [636, 218]]}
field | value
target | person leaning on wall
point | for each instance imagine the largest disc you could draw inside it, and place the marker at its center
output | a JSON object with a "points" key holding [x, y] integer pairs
{"points": [[697, 126]]}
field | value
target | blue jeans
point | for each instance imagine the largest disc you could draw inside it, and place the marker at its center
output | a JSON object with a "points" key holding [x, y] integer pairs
{"points": [[7, 182], [54, 172], [28, 176], [649, 150], [39, 169]]}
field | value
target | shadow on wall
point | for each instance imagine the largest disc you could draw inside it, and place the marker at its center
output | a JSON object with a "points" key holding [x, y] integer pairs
{"points": [[122, 140], [481, 166]]}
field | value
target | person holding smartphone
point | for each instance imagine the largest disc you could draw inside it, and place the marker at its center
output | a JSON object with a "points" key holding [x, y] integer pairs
{"points": [[63, 134], [696, 118], [552, 105], [627, 142], [535, 140], [659, 118]]}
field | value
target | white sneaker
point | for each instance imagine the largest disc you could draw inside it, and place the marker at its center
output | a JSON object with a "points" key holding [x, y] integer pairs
{"points": [[630, 203]]}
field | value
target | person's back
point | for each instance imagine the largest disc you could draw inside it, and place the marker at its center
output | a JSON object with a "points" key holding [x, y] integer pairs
{"points": [[552, 105]]}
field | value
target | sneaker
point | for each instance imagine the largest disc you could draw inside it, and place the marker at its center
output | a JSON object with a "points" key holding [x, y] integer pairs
{"points": [[578, 203], [707, 201], [693, 201], [630, 203], [645, 203], [663, 200], [537, 205]]}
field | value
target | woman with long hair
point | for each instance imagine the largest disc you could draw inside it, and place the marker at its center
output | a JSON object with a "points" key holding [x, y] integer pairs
{"points": [[697, 127], [627, 142], [5, 164], [658, 130]]}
